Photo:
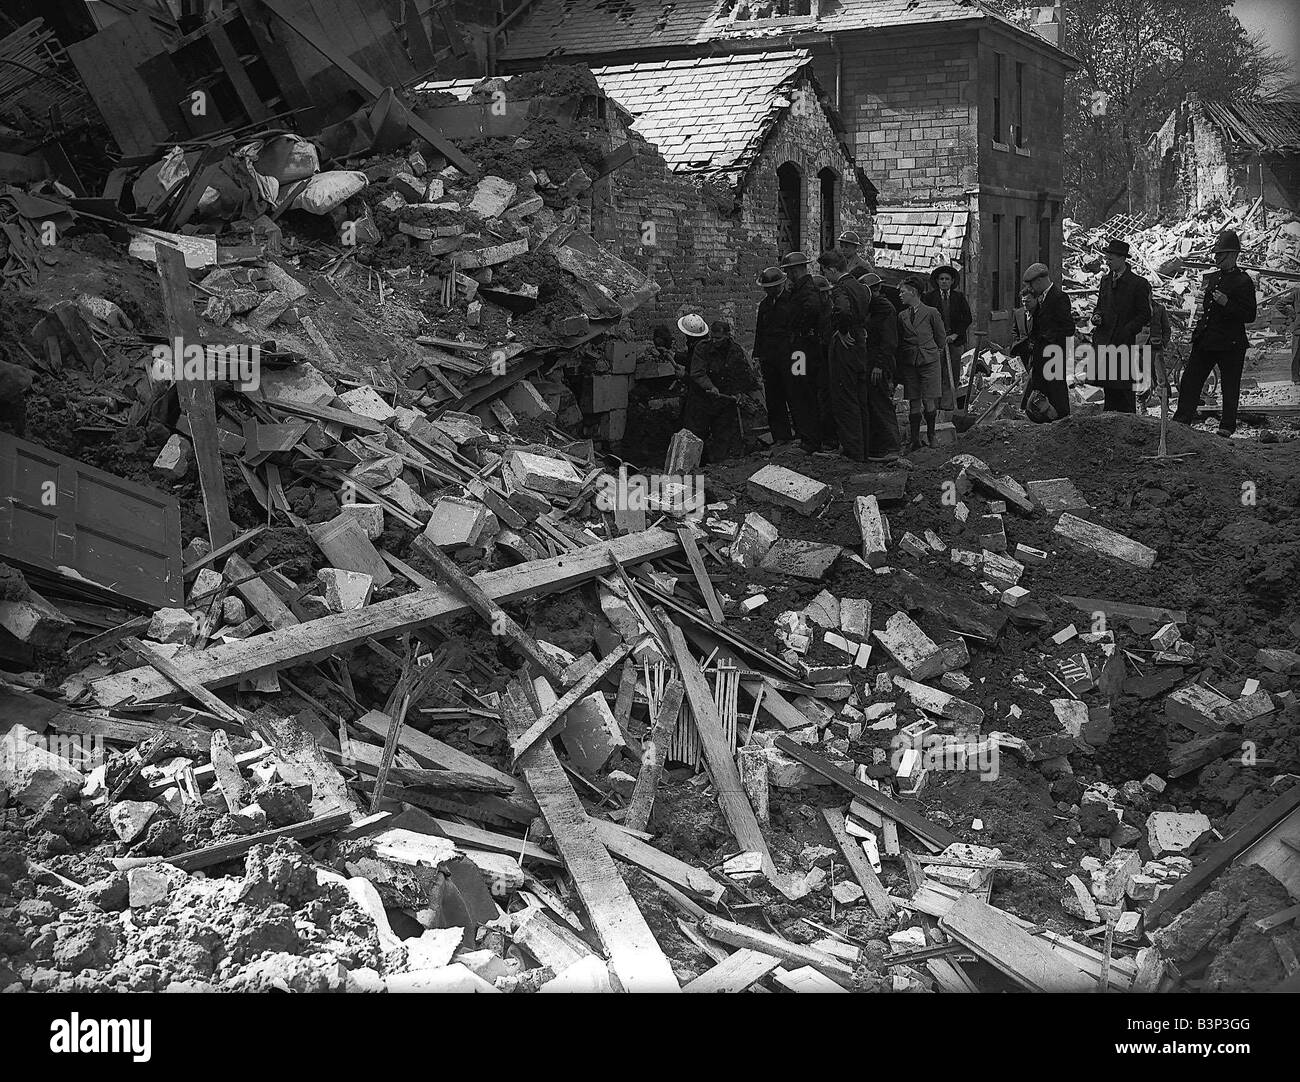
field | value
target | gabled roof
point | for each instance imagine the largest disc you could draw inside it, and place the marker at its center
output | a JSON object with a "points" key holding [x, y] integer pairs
{"points": [[704, 114], [1268, 126], [601, 27]]}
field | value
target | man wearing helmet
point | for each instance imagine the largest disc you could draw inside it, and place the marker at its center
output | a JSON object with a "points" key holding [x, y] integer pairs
{"points": [[719, 383]]}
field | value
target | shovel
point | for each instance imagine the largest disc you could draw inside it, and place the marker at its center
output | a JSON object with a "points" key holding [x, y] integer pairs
{"points": [[962, 421]]}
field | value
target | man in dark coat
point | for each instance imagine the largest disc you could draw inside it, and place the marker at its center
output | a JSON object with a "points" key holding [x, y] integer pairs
{"points": [[884, 442], [1219, 335], [1051, 325], [825, 330], [1123, 309], [805, 350], [773, 329], [847, 354], [955, 312], [720, 383]]}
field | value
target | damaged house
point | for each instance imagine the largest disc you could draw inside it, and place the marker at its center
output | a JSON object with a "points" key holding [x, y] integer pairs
{"points": [[1212, 152], [954, 112], [710, 188]]}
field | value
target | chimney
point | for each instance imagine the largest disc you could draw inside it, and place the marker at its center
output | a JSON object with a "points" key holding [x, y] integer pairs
{"points": [[1049, 23]]}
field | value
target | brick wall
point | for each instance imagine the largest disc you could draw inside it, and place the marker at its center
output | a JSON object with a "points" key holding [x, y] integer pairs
{"points": [[707, 251], [909, 103]]}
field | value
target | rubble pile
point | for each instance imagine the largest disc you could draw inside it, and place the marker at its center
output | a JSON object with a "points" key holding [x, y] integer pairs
{"points": [[346, 662], [1173, 256]]}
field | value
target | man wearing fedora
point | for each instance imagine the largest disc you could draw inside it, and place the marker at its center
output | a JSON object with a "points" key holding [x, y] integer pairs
{"points": [[849, 244], [773, 330], [1219, 335], [1050, 323], [955, 312], [805, 360], [1123, 309]]}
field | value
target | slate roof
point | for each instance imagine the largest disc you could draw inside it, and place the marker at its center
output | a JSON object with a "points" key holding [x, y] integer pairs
{"points": [[704, 114], [918, 239], [1267, 126], [600, 27]]}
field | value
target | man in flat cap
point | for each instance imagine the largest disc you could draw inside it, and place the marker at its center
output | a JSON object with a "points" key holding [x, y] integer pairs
{"points": [[884, 442], [1051, 324], [1219, 335], [1123, 309]]}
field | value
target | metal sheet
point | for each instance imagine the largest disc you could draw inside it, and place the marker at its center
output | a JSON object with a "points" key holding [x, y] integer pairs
{"points": [[55, 511]]}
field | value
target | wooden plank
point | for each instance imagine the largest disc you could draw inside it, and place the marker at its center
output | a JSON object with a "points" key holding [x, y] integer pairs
{"points": [[261, 598], [497, 618], [985, 480], [477, 838], [220, 665], [1011, 949], [696, 561], [225, 550], [175, 676], [1122, 610], [662, 865], [371, 86], [329, 413], [551, 718], [718, 755], [1278, 853], [1187, 889], [1198, 752], [234, 70], [229, 780], [777, 706], [738, 935], [653, 755], [433, 752], [1104, 542], [634, 956], [734, 973], [238, 847], [195, 395], [886, 805], [863, 872]]}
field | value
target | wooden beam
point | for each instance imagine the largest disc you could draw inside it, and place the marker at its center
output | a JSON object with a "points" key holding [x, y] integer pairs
{"points": [[327, 636], [645, 856], [1024, 958], [175, 676], [653, 755], [734, 973], [371, 86], [497, 618], [195, 394], [261, 598], [238, 847], [635, 957], [553, 715], [739, 935], [886, 805], [1182, 893], [877, 896], [696, 561], [720, 759], [1122, 610]]}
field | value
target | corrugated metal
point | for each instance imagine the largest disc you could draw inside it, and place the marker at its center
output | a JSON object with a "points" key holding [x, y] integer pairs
{"points": [[55, 511]]}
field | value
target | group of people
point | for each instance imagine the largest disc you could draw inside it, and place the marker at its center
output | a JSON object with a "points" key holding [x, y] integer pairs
{"points": [[832, 347], [1128, 314]]}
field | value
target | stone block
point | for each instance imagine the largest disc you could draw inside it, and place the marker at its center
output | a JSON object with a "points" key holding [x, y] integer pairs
{"points": [[784, 487]]}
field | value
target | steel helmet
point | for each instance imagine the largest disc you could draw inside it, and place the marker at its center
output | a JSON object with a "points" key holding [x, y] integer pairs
{"points": [[693, 325]]}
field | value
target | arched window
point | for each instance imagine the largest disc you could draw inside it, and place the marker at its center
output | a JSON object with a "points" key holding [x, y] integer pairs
{"points": [[829, 207], [789, 208]]}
